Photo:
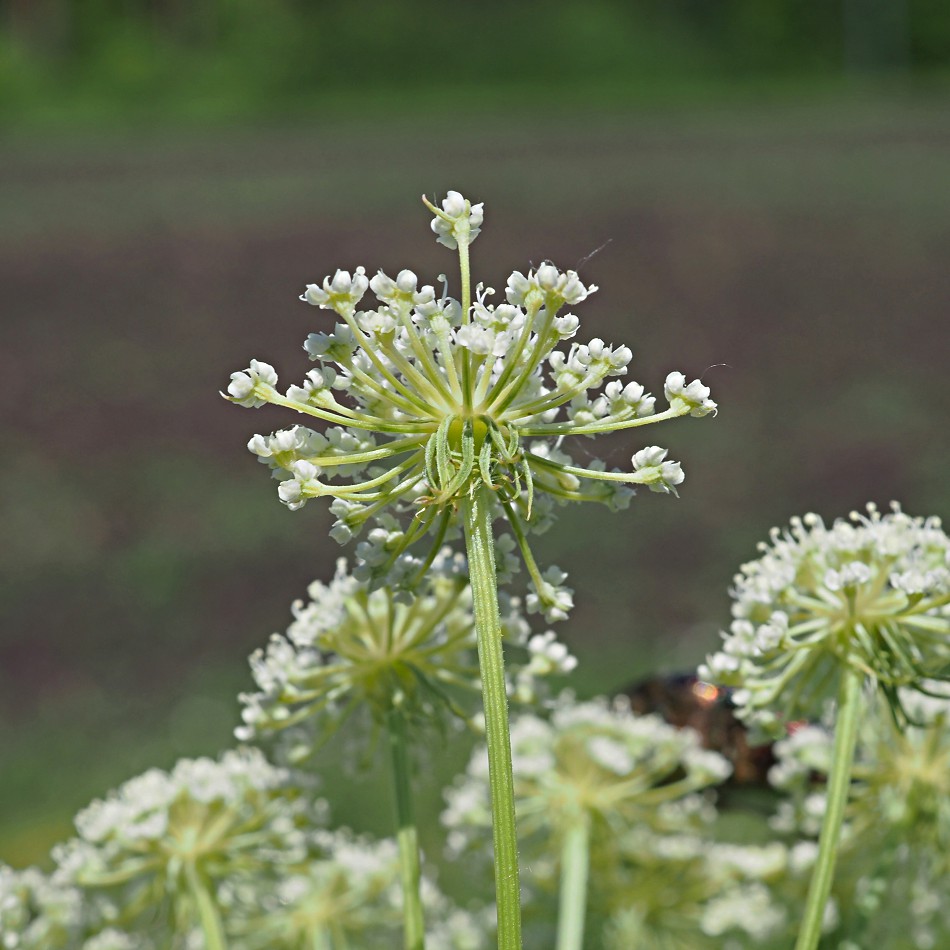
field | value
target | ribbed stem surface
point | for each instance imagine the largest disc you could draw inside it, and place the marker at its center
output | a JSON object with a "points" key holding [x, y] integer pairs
{"points": [[480, 546]]}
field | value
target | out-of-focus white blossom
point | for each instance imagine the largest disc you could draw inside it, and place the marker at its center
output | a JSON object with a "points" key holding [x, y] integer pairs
{"points": [[164, 841], [37, 913], [351, 647], [749, 909], [687, 892], [892, 872], [348, 895], [589, 761]]}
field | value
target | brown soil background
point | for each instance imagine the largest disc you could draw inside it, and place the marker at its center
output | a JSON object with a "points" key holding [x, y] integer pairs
{"points": [[796, 259]]}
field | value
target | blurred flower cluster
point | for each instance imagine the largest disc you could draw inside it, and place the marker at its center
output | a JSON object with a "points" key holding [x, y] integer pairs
{"points": [[642, 790], [354, 651], [666, 870], [894, 871], [589, 762], [231, 852]]}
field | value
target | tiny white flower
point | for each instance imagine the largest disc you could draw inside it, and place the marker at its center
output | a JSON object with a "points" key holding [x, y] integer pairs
{"points": [[694, 395], [459, 220], [653, 471], [341, 293], [243, 388]]}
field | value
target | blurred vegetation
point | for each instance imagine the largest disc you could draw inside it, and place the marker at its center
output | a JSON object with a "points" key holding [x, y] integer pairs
{"points": [[202, 59]]}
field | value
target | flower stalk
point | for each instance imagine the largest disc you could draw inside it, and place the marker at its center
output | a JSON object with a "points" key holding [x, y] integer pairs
{"points": [[480, 546], [407, 837], [839, 784], [208, 915], [572, 903]]}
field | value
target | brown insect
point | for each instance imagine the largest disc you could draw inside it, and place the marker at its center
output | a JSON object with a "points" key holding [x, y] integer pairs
{"points": [[683, 699]]}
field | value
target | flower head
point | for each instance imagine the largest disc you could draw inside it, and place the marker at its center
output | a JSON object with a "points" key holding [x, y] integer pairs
{"points": [[900, 789], [349, 894], [893, 869], [458, 221], [162, 835], [871, 592], [596, 763], [353, 648], [429, 398], [37, 913]]}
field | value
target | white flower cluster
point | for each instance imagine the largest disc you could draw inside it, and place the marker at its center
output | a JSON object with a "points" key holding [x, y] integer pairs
{"points": [[892, 872], [146, 844], [806, 751], [748, 909], [348, 895], [433, 398], [36, 913], [872, 592], [689, 892], [350, 646], [594, 759]]}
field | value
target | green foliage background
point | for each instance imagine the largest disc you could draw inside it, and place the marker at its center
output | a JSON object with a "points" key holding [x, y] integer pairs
{"points": [[774, 181], [142, 58]]}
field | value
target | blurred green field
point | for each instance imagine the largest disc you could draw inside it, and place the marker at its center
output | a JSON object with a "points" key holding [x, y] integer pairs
{"points": [[791, 253], [206, 60]]}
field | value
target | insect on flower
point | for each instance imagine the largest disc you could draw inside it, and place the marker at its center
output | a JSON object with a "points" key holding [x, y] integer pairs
{"points": [[686, 701]]}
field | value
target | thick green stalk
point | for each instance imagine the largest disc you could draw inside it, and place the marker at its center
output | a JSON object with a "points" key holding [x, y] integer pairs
{"points": [[406, 835], [572, 901], [839, 784], [208, 915], [480, 546]]}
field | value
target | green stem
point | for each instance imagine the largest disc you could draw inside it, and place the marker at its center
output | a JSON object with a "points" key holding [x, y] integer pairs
{"points": [[572, 903], [208, 915], [466, 279], [839, 784], [480, 546], [406, 835]]}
